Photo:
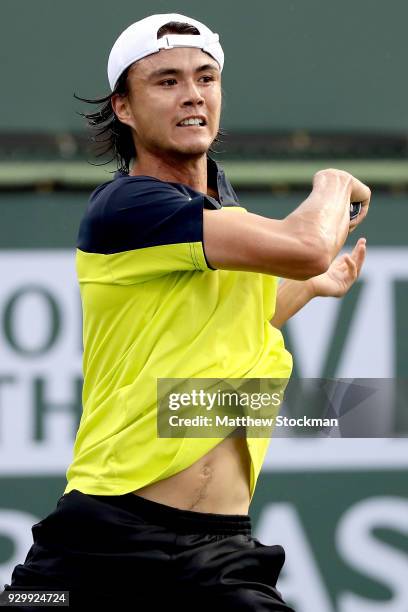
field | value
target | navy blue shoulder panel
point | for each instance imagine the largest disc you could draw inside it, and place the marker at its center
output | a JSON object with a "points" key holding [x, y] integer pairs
{"points": [[133, 212]]}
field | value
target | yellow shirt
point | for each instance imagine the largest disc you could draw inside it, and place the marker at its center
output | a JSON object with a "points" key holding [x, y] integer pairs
{"points": [[154, 308]]}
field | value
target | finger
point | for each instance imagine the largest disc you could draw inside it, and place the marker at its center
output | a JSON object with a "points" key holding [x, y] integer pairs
{"points": [[352, 266], [359, 248], [361, 260], [359, 254], [365, 197], [361, 241], [349, 260], [360, 192]]}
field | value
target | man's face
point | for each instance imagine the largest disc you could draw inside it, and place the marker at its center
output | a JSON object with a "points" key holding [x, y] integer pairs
{"points": [[165, 88]]}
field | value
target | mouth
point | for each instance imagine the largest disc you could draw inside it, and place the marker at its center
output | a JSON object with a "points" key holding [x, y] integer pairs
{"points": [[192, 122]]}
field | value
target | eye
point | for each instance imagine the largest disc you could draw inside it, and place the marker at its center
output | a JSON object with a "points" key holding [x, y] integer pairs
{"points": [[208, 78], [168, 82]]}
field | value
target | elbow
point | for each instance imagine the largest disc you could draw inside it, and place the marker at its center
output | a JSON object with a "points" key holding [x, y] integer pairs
{"points": [[309, 251], [319, 265], [305, 267]]}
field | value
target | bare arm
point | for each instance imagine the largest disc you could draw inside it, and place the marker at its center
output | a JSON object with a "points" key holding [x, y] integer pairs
{"points": [[298, 247], [342, 273], [292, 296]]}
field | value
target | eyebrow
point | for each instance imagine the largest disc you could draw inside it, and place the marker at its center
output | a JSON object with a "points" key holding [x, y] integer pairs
{"points": [[177, 71]]}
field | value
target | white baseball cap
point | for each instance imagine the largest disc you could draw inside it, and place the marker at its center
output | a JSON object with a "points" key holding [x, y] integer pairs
{"points": [[140, 39]]}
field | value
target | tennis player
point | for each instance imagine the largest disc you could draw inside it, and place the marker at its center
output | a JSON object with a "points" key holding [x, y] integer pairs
{"points": [[178, 280]]}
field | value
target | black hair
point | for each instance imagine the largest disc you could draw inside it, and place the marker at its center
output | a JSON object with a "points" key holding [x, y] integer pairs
{"points": [[115, 136]]}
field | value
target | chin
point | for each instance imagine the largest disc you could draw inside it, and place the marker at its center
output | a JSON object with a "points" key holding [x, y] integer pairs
{"points": [[193, 146], [192, 149]]}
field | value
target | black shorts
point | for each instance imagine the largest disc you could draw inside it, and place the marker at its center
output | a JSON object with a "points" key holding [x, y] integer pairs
{"points": [[129, 551]]}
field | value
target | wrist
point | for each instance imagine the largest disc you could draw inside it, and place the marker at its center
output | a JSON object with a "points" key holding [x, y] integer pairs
{"points": [[311, 288]]}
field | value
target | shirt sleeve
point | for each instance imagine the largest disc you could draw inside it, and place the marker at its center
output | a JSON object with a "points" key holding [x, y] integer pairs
{"points": [[145, 228]]}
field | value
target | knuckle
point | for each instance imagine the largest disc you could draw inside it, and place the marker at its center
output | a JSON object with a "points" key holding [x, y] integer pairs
{"points": [[325, 171]]}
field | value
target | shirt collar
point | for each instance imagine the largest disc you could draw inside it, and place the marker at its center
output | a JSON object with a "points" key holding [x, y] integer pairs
{"points": [[217, 180]]}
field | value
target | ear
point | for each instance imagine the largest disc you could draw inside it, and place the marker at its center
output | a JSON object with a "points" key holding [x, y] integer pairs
{"points": [[121, 108]]}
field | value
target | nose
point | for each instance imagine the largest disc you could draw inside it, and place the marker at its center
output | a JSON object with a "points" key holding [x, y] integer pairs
{"points": [[192, 95]]}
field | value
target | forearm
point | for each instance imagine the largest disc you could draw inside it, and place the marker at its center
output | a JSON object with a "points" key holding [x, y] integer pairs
{"points": [[291, 297], [325, 213]]}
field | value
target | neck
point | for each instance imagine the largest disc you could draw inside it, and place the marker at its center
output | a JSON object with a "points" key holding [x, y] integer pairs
{"points": [[190, 171]]}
